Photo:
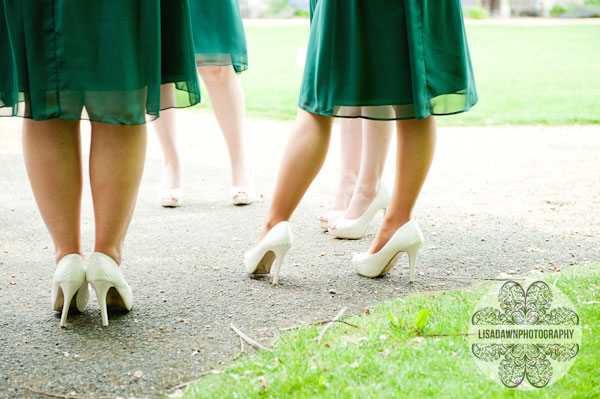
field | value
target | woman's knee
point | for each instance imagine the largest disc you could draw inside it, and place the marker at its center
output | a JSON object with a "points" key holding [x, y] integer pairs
{"points": [[213, 74]]}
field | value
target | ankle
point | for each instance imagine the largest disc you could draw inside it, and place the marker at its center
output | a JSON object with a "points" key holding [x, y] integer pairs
{"points": [[348, 178], [395, 221], [272, 222], [344, 192], [172, 167], [111, 251], [367, 189], [62, 252]]}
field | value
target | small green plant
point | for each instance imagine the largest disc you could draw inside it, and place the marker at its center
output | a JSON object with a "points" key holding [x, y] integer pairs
{"points": [[418, 325], [421, 320]]}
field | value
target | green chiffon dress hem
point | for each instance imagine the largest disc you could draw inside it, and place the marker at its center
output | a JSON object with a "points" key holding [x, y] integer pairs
{"points": [[219, 36], [387, 60], [100, 61]]}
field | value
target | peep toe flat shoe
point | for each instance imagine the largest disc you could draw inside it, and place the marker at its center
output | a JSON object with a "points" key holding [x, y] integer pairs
{"points": [[243, 195], [172, 198]]}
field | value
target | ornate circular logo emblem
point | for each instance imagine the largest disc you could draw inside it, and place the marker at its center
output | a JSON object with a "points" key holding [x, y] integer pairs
{"points": [[525, 334]]}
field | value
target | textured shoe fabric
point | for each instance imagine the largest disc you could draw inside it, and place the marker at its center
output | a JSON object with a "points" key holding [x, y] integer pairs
{"points": [[101, 267], [71, 268], [355, 229], [280, 236], [372, 265]]}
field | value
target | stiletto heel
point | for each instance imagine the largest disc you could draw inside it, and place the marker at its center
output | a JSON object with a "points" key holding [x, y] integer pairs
{"points": [[279, 257], [412, 260], [69, 283], [101, 288], [272, 249], [69, 289], [108, 281], [354, 229], [407, 238]]}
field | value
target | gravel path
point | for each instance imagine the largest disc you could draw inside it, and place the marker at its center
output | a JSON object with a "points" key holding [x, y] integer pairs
{"points": [[499, 199]]}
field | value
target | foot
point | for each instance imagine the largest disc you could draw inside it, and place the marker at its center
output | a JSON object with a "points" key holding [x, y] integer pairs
{"points": [[345, 191], [385, 232], [361, 199], [171, 193], [243, 191], [269, 224]]}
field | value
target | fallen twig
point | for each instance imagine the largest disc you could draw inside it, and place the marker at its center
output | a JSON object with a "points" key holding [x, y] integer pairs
{"points": [[58, 395], [316, 323], [249, 340], [341, 312]]}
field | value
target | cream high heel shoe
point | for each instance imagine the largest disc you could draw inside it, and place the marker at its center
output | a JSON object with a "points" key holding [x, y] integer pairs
{"points": [[68, 282], [407, 238], [272, 248], [354, 229], [107, 279], [171, 198], [330, 217]]}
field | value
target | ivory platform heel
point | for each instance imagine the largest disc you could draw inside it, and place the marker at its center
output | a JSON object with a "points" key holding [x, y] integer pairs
{"points": [[69, 283], [407, 238], [107, 279], [272, 249]]}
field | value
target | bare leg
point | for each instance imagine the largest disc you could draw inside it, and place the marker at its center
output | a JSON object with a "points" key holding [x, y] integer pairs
{"points": [[53, 160], [416, 146], [376, 143], [227, 100], [117, 156], [302, 160], [166, 131], [351, 147]]}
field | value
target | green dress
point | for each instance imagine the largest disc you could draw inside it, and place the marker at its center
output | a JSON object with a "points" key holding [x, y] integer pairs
{"points": [[97, 60], [219, 37], [387, 59]]}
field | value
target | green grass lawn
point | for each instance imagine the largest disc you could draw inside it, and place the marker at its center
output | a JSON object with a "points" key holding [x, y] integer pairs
{"points": [[380, 358], [525, 75]]}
